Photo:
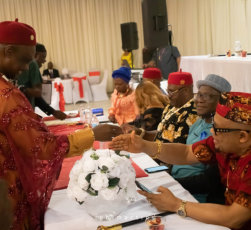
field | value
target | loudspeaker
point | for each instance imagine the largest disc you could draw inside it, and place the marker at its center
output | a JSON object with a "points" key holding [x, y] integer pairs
{"points": [[155, 24], [129, 35]]}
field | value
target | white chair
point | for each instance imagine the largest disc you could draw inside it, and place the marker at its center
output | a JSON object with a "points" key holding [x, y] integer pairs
{"points": [[94, 76], [55, 94], [99, 90], [78, 89]]}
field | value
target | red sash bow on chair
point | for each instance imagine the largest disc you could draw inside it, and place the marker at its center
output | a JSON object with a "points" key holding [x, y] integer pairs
{"points": [[80, 85], [94, 73], [60, 89]]}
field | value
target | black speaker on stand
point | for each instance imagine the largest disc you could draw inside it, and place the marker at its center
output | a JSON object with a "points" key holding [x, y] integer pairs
{"points": [[155, 23], [129, 35]]}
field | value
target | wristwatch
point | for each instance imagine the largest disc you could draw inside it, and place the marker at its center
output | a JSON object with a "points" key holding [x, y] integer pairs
{"points": [[182, 209]]}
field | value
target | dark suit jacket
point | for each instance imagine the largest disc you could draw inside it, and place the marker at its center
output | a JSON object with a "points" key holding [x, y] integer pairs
{"points": [[53, 75]]}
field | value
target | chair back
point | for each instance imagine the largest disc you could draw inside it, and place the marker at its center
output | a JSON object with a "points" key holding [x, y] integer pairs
{"points": [[94, 77]]}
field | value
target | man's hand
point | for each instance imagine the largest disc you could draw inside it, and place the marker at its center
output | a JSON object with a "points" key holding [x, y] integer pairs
{"points": [[106, 132], [112, 118], [59, 115], [164, 201], [128, 142], [126, 128]]}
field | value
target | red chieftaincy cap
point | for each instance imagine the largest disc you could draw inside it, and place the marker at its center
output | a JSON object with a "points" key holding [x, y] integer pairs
{"points": [[17, 33], [180, 78], [235, 106], [152, 73]]}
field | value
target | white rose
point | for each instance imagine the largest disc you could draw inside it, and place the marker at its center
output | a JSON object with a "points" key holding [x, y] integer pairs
{"points": [[116, 157], [106, 161], [89, 165], [103, 152], [87, 154], [109, 193], [77, 168], [73, 177], [79, 194], [69, 193], [82, 182], [99, 181], [115, 172]]}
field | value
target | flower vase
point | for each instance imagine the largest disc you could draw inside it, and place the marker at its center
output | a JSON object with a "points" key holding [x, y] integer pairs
{"points": [[102, 209]]}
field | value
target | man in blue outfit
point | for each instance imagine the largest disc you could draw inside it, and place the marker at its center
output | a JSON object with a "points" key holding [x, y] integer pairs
{"points": [[206, 101]]}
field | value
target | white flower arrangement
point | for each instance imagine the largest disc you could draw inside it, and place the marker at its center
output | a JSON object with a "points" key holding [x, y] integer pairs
{"points": [[102, 173]]}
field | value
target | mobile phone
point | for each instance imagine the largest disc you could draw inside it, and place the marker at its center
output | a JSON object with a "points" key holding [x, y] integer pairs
{"points": [[157, 169], [142, 187]]}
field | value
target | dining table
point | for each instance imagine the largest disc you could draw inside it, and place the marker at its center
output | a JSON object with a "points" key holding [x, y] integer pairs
{"points": [[236, 69], [66, 214]]}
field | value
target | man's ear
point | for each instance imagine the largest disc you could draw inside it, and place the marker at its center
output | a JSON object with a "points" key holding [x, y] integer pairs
{"points": [[9, 50], [244, 136]]}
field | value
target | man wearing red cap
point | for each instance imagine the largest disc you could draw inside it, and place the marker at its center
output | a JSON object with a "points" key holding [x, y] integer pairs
{"points": [[30, 156], [178, 116], [181, 113], [229, 146], [153, 75]]}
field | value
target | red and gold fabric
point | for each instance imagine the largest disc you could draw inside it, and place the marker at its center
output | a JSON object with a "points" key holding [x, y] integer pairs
{"points": [[30, 157], [235, 172], [236, 107]]}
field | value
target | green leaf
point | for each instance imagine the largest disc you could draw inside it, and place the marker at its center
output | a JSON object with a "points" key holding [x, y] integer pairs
{"points": [[113, 182], [88, 177], [79, 201], [92, 191], [104, 169], [94, 156], [117, 152]]}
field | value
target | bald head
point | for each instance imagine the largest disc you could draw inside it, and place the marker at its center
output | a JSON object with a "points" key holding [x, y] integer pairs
{"points": [[15, 59]]}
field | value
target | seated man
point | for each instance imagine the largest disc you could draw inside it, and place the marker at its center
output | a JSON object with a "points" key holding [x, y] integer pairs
{"points": [[178, 116], [53, 73], [153, 75], [229, 146], [206, 101]]}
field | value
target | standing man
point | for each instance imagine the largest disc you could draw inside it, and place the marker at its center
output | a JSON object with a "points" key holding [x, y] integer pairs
{"points": [[30, 83], [30, 155], [153, 75], [167, 59]]}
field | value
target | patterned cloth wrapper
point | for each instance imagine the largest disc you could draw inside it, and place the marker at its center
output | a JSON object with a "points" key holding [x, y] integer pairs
{"points": [[236, 107]]}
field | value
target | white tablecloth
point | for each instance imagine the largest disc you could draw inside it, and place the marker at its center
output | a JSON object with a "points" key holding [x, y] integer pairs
{"points": [[236, 70], [65, 214]]}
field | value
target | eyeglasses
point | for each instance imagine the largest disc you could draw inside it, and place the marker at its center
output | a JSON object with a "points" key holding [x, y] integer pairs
{"points": [[223, 130], [175, 91], [205, 96]]}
